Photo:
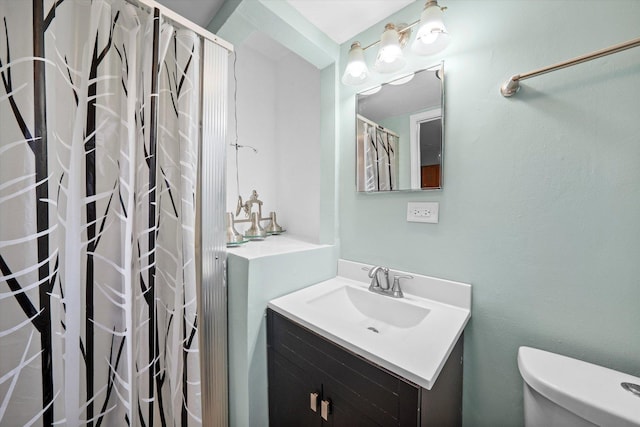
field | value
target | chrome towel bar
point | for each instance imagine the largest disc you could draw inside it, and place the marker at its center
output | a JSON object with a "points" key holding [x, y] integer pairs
{"points": [[511, 86]]}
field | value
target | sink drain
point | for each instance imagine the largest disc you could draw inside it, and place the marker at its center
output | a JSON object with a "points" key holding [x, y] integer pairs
{"points": [[631, 387], [371, 328]]}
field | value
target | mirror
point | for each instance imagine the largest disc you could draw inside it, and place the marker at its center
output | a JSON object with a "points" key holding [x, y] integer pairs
{"points": [[399, 133]]}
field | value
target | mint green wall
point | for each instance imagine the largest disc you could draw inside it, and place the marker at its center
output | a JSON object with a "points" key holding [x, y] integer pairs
{"points": [[237, 19], [540, 209], [328, 155]]}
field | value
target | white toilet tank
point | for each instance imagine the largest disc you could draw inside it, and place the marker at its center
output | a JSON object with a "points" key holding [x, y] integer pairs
{"points": [[565, 392]]}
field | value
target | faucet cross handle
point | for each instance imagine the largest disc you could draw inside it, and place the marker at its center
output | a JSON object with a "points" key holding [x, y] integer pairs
{"points": [[396, 291]]}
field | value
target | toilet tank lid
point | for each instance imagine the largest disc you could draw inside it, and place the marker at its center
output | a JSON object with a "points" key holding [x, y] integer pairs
{"points": [[589, 391]]}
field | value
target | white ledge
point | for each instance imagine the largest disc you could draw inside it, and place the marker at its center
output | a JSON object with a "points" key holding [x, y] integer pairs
{"points": [[273, 245]]}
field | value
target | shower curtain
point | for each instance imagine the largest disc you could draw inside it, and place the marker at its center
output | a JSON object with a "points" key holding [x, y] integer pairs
{"points": [[99, 137], [380, 170]]}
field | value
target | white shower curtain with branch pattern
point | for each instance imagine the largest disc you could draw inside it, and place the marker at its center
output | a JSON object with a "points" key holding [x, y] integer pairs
{"points": [[99, 136]]}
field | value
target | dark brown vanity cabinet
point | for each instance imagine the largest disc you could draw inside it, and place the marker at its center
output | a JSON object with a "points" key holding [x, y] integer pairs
{"points": [[307, 372]]}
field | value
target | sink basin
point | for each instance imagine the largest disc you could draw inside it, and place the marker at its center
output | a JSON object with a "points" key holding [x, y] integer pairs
{"points": [[411, 336], [361, 307]]}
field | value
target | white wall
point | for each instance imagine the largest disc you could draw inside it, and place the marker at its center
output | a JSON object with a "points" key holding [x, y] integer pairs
{"points": [[298, 134], [278, 113], [256, 124]]}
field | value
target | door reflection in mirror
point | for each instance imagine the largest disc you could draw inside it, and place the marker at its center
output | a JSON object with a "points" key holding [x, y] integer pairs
{"points": [[425, 140]]}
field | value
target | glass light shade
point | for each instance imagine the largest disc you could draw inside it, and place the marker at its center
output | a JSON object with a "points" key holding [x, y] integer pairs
{"points": [[432, 36], [356, 71], [390, 58]]}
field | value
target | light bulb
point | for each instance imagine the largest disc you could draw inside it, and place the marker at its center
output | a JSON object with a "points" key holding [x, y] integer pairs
{"points": [[390, 58]]}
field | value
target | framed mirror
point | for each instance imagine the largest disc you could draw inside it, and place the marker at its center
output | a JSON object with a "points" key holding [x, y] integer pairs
{"points": [[400, 133]]}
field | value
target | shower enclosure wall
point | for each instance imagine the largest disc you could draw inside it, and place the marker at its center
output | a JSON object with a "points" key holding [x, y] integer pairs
{"points": [[112, 256]]}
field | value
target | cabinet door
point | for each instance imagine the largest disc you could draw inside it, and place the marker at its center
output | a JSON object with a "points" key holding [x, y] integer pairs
{"points": [[290, 390], [361, 394], [344, 415]]}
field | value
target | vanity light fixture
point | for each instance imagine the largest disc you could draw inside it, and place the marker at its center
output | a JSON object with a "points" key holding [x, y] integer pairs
{"points": [[431, 37]]}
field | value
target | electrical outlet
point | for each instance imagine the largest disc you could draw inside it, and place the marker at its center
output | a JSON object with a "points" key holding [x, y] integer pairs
{"points": [[422, 212]]}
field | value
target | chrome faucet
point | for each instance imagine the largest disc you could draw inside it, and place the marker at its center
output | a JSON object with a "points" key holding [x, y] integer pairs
{"points": [[385, 288], [375, 285]]}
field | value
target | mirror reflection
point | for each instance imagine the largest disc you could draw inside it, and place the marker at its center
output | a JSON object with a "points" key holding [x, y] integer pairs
{"points": [[399, 133]]}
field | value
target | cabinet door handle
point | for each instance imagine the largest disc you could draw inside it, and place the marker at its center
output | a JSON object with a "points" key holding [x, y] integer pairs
{"points": [[313, 401], [325, 408]]}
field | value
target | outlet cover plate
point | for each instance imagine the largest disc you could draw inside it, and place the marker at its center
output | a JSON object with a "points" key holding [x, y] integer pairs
{"points": [[422, 212]]}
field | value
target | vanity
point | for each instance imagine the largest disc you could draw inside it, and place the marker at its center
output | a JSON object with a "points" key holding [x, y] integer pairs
{"points": [[341, 355]]}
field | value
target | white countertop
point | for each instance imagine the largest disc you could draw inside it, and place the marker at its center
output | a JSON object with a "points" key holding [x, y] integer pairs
{"points": [[406, 341]]}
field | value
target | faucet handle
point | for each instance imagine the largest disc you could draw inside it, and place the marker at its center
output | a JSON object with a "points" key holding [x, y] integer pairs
{"points": [[396, 291]]}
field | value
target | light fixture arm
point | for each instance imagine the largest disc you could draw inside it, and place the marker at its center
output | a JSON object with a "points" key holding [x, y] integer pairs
{"points": [[401, 30], [434, 3]]}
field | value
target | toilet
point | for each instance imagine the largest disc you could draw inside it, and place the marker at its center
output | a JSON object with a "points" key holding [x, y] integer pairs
{"points": [[565, 392]]}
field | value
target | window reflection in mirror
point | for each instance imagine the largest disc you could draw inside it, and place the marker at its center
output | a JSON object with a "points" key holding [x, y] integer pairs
{"points": [[399, 133]]}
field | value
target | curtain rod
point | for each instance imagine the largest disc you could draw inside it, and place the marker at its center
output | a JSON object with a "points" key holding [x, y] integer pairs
{"points": [[179, 19], [376, 125], [510, 87]]}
